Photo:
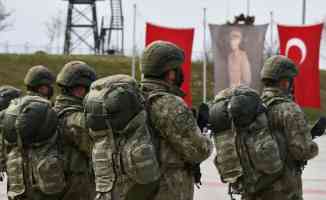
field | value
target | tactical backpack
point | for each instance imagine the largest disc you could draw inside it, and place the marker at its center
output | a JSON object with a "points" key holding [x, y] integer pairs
{"points": [[7, 93], [115, 115], [248, 155], [29, 125]]}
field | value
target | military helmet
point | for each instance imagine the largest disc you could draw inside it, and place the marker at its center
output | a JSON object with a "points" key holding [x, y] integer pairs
{"points": [[39, 75], [7, 93], [278, 67], [161, 56], [76, 73]]}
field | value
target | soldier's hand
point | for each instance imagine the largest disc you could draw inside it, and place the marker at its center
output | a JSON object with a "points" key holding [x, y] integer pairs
{"points": [[203, 115], [319, 128], [2, 176], [103, 196]]}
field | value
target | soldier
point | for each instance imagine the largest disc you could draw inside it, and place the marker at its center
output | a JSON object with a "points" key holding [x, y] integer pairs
{"points": [[286, 117], [38, 81], [181, 144], [30, 141], [242, 139], [74, 79], [7, 93]]}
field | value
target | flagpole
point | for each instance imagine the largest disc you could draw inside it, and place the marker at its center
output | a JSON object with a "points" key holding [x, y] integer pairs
{"points": [[272, 25], [248, 7], [204, 59], [304, 7], [134, 47]]}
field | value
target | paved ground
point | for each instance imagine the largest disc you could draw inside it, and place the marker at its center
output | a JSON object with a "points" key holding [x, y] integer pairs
{"points": [[314, 179]]}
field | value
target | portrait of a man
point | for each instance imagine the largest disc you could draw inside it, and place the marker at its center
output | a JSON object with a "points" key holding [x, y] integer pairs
{"points": [[238, 55], [238, 63]]}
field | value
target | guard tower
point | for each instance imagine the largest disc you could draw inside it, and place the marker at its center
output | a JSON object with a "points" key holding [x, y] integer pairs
{"points": [[81, 26], [112, 37]]}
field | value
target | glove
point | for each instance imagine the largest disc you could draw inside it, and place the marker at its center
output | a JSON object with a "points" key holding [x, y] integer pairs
{"points": [[319, 128], [103, 196], [2, 176], [203, 115]]}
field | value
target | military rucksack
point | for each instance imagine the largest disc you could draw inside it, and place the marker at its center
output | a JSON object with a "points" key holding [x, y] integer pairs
{"points": [[248, 156], [7, 93], [115, 115], [32, 118], [30, 131]]}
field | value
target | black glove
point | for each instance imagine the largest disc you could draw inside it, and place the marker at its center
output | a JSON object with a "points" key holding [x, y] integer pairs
{"points": [[203, 116], [319, 128]]}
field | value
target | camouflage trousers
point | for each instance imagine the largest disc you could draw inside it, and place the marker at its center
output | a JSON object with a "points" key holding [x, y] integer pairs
{"points": [[176, 184], [36, 195], [287, 187], [79, 187]]}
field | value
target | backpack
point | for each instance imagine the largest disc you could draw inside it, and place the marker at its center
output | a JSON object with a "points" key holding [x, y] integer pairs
{"points": [[7, 93], [32, 118], [248, 155], [116, 117], [30, 131]]}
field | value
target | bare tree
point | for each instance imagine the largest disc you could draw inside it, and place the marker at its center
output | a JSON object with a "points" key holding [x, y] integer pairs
{"points": [[4, 15], [54, 30]]}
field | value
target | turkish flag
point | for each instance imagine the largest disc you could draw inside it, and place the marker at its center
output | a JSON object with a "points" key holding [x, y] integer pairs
{"points": [[302, 44], [183, 38]]}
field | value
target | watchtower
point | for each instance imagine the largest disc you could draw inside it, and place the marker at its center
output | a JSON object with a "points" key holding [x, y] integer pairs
{"points": [[81, 26], [112, 37]]}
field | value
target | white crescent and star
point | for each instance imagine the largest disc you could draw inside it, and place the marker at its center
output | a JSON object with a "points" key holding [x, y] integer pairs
{"points": [[297, 42]]}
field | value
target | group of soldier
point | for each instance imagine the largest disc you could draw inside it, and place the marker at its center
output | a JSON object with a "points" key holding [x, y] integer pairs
{"points": [[181, 144]]}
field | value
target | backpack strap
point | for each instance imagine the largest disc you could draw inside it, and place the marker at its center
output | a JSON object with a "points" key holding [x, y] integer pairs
{"points": [[279, 137], [275, 101], [66, 110], [152, 129]]}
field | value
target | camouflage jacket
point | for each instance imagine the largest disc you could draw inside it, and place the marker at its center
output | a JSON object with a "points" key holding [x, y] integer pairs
{"points": [[2, 147], [181, 139], [76, 141], [286, 117]]}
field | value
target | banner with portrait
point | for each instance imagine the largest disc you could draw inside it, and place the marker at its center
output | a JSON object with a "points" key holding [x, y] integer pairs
{"points": [[238, 53]]}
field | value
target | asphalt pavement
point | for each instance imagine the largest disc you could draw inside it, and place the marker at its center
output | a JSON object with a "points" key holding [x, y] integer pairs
{"points": [[314, 179]]}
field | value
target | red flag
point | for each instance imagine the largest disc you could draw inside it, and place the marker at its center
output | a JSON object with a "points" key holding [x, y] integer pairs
{"points": [[182, 38], [302, 45]]}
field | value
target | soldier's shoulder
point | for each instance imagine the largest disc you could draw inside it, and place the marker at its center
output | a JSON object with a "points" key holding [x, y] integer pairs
{"points": [[289, 108], [169, 101]]}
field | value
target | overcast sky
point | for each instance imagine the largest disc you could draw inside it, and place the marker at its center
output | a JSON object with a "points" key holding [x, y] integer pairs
{"points": [[30, 16]]}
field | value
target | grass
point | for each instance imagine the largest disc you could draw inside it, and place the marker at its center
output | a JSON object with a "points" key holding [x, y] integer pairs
{"points": [[14, 67]]}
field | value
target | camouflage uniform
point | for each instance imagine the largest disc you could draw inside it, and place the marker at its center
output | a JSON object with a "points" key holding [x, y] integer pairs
{"points": [[77, 143], [7, 93], [36, 76], [181, 142], [286, 117]]}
